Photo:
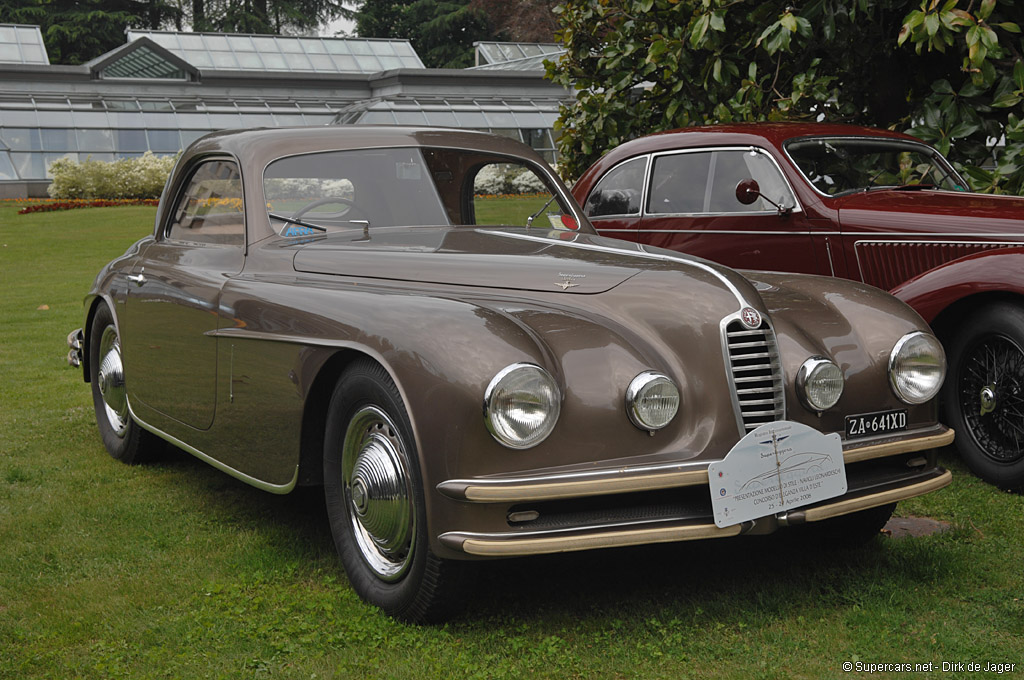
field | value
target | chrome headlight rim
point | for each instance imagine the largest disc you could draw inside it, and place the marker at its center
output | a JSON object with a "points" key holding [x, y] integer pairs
{"points": [[637, 386], [490, 413], [806, 372], [894, 357]]}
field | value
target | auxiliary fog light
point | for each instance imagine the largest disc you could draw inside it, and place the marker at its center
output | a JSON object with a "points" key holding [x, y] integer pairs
{"points": [[652, 400], [819, 382]]}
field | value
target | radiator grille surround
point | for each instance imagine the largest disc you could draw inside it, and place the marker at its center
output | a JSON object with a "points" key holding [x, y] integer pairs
{"points": [[755, 373]]}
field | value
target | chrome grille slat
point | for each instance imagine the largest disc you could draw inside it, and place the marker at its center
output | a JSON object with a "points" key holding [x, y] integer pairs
{"points": [[753, 359]]}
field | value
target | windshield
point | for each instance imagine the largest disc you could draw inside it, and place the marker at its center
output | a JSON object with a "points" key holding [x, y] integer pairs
{"points": [[838, 166], [367, 188]]}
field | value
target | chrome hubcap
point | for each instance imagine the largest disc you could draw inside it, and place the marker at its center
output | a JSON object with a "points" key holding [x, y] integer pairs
{"points": [[988, 399], [378, 493], [110, 380]]}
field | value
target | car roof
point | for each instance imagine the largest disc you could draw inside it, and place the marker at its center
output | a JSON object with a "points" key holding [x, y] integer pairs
{"points": [[257, 147], [738, 134]]}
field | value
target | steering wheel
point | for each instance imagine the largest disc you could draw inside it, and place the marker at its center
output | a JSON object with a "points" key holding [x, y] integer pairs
{"points": [[297, 215]]}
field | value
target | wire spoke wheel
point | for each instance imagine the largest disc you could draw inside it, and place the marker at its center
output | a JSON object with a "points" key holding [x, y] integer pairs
{"points": [[990, 391]]}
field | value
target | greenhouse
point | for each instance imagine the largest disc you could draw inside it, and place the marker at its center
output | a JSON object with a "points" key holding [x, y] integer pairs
{"points": [[161, 90]]}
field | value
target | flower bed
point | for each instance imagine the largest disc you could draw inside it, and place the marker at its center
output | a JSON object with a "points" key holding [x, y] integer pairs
{"points": [[51, 205]]}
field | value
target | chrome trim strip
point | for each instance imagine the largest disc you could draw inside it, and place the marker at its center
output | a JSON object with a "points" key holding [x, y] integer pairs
{"points": [[237, 474], [844, 507], [643, 478], [485, 546], [640, 252]]}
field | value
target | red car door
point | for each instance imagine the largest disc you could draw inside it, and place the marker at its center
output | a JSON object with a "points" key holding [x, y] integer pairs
{"points": [[691, 206]]}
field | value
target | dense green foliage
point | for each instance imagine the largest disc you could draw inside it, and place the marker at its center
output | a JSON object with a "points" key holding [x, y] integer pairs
{"points": [[441, 31], [951, 75], [175, 570]]}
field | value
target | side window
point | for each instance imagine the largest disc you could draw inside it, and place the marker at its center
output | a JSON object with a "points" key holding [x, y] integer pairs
{"points": [[210, 209], [619, 192], [705, 182], [514, 194], [731, 167], [679, 183]]}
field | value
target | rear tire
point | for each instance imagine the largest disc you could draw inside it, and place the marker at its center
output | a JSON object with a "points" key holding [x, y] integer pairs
{"points": [[124, 439], [983, 397], [375, 502]]}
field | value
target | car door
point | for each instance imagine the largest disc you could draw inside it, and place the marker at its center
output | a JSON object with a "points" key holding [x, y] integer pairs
{"points": [[174, 292], [691, 206], [613, 207]]}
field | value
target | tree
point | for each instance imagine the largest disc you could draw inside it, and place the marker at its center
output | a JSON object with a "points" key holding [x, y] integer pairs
{"points": [[522, 20], [441, 31], [75, 31], [946, 74]]}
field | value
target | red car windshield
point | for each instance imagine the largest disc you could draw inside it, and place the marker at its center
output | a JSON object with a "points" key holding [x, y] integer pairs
{"points": [[836, 166]]}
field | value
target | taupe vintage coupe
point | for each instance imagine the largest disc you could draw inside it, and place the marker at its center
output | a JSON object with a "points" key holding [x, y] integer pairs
{"points": [[333, 306]]}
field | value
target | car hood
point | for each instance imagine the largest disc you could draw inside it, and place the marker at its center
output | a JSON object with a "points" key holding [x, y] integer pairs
{"points": [[516, 259], [933, 211]]}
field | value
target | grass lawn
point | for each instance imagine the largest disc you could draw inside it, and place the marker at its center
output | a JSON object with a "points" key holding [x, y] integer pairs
{"points": [[175, 570]]}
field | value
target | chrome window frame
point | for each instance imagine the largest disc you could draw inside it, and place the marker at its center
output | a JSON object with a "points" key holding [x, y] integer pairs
{"points": [[796, 208]]}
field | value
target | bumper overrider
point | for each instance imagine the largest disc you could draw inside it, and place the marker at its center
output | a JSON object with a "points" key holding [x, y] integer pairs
{"points": [[76, 343], [671, 502]]}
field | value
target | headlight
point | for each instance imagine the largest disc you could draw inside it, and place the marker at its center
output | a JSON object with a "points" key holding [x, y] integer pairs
{"points": [[521, 405], [917, 366], [652, 400], [819, 382]]}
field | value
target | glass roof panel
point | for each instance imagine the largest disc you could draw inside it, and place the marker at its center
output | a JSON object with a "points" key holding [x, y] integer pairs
{"points": [[241, 43], [22, 45], [211, 50], [142, 62], [215, 41], [495, 53]]}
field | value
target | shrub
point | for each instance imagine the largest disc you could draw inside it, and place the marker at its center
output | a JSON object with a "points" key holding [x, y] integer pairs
{"points": [[142, 177], [526, 182]]}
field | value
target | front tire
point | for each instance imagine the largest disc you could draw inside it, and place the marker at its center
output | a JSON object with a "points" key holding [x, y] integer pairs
{"points": [[375, 502], [983, 397], [124, 439]]}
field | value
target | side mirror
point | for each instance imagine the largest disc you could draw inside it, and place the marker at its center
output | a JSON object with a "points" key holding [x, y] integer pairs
{"points": [[747, 191]]}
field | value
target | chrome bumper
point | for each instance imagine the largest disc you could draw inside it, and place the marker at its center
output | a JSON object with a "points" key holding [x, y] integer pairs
{"points": [[76, 341], [919, 476]]}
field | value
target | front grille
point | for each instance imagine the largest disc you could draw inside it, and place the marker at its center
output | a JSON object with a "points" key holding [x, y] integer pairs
{"points": [[756, 374]]}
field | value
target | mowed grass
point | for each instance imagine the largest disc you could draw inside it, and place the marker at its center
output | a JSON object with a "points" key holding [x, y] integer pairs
{"points": [[174, 570]]}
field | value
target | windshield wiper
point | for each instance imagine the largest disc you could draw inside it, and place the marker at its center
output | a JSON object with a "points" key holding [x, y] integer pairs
{"points": [[289, 220], [531, 218]]}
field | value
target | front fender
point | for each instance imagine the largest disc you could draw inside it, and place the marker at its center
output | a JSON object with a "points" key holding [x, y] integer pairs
{"points": [[992, 271]]}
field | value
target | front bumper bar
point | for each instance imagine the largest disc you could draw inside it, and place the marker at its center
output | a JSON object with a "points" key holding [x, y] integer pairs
{"points": [[882, 472]]}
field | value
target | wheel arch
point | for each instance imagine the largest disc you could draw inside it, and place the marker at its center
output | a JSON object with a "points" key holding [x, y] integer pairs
{"points": [[946, 321], [90, 316], [317, 405]]}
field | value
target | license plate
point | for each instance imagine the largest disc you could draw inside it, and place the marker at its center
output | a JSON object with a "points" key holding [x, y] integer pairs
{"points": [[879, 422]]}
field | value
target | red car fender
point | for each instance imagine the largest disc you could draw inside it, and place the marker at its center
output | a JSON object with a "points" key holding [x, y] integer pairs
{"points": [[993, 271]]}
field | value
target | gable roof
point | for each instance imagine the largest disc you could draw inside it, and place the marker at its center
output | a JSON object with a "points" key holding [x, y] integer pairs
{"points": [[142, 58]]}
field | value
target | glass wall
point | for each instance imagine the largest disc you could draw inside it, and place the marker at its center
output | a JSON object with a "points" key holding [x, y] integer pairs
{"points": [[35, 131], [527, 120]]}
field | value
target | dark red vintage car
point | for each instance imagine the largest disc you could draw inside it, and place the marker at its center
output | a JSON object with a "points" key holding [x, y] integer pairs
{"points": [[859, 203]]}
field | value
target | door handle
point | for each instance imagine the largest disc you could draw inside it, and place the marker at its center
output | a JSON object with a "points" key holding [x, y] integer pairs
{"points": [[137, 279]]}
